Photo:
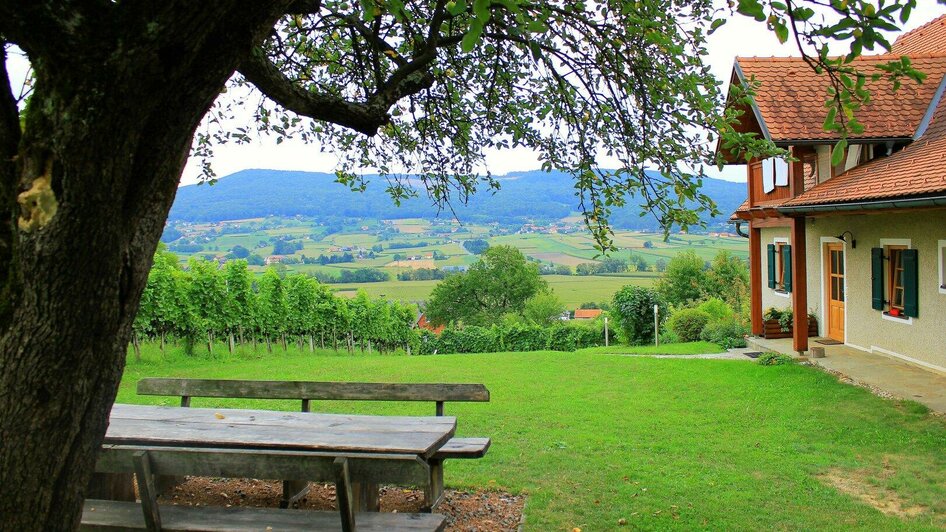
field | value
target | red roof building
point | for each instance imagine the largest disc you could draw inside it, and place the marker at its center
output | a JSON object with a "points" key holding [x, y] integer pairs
{"points": [[587, 313], [860, 245], [422, 323]]}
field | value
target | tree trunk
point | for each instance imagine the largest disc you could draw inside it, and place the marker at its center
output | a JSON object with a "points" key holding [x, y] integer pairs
{"points": [[311, 344], [98, 161], [230, 342], [162, 343], [210, 343]]}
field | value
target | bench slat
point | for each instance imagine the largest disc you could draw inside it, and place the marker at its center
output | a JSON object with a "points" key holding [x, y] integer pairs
{"points": [[356, 391], [463, 448], [117, 515], [244, 463]]}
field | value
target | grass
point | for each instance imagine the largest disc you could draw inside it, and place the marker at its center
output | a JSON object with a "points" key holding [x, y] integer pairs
{"points": [[689, 348], [663, 443]]}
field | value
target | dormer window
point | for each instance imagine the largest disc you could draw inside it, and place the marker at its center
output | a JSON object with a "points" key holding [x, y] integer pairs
{"points": [[774, 174]]}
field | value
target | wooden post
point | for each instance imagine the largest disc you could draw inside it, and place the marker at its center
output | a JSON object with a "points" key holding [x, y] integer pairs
{"points": [[799, 286], [606, 339], [755, 279], [343, 493], [146, 490]]}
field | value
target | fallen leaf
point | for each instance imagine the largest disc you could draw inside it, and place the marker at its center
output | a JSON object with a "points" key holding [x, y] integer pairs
{"points": [[622, 521], [218, 415]]}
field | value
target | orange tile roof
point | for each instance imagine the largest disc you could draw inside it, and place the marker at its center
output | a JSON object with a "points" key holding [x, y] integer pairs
{"points": [[917, 170], [587, 313], [929, 38], [791, 98]]}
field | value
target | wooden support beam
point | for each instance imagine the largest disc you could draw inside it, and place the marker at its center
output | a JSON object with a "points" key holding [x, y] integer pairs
{"points": [[799, 285], [755, 278]]}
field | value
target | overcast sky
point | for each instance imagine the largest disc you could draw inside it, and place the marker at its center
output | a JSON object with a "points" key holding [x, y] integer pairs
{"points": [[740, 36]]}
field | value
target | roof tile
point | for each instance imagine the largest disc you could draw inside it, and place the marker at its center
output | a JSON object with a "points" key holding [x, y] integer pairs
{"points": [[791, 98]]}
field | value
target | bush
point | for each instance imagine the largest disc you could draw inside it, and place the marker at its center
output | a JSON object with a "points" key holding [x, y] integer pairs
{"points": [[688, 323], [511, 336], [633, 307], [524, 338], [725, 333], [469, 339], [717, 309], [774, 359], [572, 337]]}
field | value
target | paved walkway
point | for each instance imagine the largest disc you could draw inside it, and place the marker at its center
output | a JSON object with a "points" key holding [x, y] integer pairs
{"points": [[878, 372]]}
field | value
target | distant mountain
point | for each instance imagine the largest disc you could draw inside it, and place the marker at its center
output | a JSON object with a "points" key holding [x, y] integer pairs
{"points": [[524, 196]]}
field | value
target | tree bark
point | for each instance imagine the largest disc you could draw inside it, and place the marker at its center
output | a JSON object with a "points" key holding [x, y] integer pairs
{"points": [[120, 88]]}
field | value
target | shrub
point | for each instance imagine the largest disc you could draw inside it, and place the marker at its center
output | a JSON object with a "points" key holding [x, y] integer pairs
{"points": [[469, 339], [572, 337], [725, 333], [633, 307], [774, 359], [688, 323], [524, 338], [717, 309]]}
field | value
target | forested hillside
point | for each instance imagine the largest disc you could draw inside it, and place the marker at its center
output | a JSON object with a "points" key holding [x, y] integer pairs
{"points": [[524, 196]]}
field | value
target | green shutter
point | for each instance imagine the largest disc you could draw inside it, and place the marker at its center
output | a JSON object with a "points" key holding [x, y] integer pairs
{"points": [[771, 261], [911, 282], [787, 267], [877, 278]]}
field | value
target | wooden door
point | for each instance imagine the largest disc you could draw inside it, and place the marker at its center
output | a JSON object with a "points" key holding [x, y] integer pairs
{"points": [[834, 281]]}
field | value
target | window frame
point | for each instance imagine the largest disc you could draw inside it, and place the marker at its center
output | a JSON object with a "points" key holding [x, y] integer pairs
{"points": [[894, 266], [888, 245]]}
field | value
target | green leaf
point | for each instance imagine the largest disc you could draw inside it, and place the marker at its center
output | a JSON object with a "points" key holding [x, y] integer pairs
{"points": [[481, 10], [718, 23], [751, 8], [472, 36], [781, 31], [837, 155]]}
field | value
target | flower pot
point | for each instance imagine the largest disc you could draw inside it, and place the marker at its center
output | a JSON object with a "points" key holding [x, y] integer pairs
{"points": [[772, 329]]}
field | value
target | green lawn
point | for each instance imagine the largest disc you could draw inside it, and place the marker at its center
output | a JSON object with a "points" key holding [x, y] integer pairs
{"points": [[663, 443]]}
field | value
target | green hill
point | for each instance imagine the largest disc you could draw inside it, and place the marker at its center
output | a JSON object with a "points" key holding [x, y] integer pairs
{"points": [[524, 197]]}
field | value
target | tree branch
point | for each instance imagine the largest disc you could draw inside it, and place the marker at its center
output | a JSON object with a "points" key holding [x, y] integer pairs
{"points": [[364, 117], [266, 76]]}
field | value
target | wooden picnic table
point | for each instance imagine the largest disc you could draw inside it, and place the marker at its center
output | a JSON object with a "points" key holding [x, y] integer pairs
{"points": [[266, 429]]}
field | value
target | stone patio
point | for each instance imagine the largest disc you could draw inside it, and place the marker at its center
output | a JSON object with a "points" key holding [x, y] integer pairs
{"points": [[897, 378]]}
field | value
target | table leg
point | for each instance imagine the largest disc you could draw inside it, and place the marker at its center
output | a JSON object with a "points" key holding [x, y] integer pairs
{"points": [[434, 491], [366, 496], [292, 491]]}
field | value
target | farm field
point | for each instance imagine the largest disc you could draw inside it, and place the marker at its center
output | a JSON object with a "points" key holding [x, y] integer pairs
{"points": [[664, 444], [573, 290], [395, 246]]}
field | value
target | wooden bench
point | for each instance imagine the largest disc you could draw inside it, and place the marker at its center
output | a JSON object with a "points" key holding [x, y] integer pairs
{"points": [[306, 392], [148, 462]]}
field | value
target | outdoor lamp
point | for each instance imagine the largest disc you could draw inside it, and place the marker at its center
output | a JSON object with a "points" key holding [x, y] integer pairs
{"points": [[842, 239]]}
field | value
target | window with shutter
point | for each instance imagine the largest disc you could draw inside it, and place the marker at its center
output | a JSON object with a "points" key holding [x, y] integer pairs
{"points": [[786, 256], [911, 283], [877, 278], [771, 264], [895, 283]]}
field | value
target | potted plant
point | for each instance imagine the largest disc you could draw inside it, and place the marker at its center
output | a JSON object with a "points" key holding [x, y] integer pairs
{"points": [[779, 323]]}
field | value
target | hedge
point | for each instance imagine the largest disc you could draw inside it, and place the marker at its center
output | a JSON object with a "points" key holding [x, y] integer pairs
{"points": [[514, 337]]}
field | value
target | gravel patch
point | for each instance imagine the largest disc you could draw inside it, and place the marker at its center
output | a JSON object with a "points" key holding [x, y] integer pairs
{"points": [[467, 511]]}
